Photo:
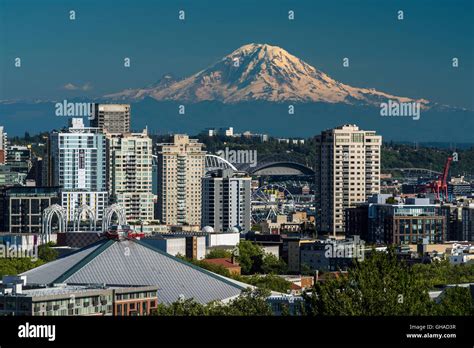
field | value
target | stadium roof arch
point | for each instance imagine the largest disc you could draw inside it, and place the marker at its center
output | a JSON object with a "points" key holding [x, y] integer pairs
{"points": [[279, 168]]}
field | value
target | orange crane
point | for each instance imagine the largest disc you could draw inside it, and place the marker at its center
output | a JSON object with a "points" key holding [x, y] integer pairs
{"points": [[439, 186]]}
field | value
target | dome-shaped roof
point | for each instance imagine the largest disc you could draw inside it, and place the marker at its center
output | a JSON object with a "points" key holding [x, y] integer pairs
{"points": [[234, 229], [208, 229]]}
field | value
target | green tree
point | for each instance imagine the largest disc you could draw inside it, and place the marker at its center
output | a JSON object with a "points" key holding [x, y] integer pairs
{"points": [[14, 266], [250, 257], [379, 285], [219, 254], [47, 253], [187, 307], [270, 282], [456, 301], [274, 265], [443, 272], [248, 303]]}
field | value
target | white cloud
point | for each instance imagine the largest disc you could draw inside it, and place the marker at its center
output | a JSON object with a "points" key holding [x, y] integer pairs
{"points": [[87, 86], [72, 87]]}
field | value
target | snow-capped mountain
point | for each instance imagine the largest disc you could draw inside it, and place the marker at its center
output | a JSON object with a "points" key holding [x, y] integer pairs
{"points": [[264, 73]]}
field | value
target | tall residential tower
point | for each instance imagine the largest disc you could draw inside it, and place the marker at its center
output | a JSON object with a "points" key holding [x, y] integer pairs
{"points": [[347, 172], [77, 163], [180, 171], [130, 173], [226, 199]]}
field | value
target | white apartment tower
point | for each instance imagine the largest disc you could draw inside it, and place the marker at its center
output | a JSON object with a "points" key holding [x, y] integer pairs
{"points": [[130, 173], [226, 197], [180, 171], [77, 163], [347, 172]]}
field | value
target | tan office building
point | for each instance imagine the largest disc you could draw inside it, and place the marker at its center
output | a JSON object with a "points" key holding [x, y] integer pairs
{"points": [[347, 172]]}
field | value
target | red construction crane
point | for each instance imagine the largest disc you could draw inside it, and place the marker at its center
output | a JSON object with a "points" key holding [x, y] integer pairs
{"points": [[439, 186]]}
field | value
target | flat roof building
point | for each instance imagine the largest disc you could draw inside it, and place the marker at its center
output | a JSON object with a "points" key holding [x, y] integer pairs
{"points": [[180, 171], [77, 300], [347, 172], [111, 118]]}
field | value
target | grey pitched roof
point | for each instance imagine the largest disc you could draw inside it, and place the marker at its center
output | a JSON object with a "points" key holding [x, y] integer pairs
{"points": [[49, 272], [132, 263]]}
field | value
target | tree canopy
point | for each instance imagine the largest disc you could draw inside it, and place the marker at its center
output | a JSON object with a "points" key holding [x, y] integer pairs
{"points": [[382, 285], [248, 303]]}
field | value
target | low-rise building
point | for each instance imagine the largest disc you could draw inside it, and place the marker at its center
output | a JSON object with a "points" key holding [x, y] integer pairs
{"points": [[331, 254], [192, 247], [21, 208], [230, 264], [291, 252], [8, 177], [82, 300], [286, 304], [401, 223]]}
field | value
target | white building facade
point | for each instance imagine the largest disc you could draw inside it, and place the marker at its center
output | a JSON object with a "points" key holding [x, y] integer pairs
{"points": [[226, 199], [77, 161]]}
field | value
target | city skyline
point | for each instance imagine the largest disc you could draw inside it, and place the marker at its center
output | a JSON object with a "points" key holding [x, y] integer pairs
{"points": [[202, 158]]}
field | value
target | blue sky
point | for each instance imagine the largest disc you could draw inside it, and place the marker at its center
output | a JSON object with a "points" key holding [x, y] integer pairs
{"points": [[410, 57]]}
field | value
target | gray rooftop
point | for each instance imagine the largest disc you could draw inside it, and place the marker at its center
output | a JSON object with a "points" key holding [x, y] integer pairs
{"points": [[133, 263]]}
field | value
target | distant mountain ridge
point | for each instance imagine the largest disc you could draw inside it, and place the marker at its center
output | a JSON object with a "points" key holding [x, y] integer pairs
{"points": [[250, 89], [260, 72]]}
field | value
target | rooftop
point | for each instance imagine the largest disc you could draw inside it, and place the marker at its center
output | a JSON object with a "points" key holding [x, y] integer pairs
{"points": [[227, 263], [134, 263], [65, 289]]}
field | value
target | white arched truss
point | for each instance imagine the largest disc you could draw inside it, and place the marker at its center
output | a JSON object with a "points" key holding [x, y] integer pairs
{"points": [[214, 162], [119, 212], [80, 211], [48, 215]]}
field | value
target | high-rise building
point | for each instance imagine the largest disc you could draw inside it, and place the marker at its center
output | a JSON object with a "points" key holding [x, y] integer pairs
{"points": [[347, 172], [3, 146], [77, 163], [112, 118], [130, 173], [226, 201], [180, 170]]}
